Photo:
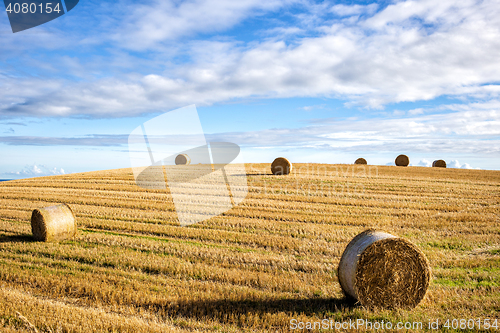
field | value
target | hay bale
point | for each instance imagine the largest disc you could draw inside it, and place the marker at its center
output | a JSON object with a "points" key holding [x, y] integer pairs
{"points": [[402, 160], [53, 223], [382, 270], [439, 164], [182, 159], [281, 166], [360, 161]]}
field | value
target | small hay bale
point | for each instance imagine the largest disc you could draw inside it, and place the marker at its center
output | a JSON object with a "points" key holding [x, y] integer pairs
{"points": [[402, 160], [281, 166], [182, 159], [360, 161], [439, 164], [385, 271], [54, 223]]}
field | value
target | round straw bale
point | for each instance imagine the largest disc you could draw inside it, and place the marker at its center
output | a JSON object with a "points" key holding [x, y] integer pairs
{"points": [[360, 161], [439, 164], [182, 159], [53, 223], [402, 160], [281, 166], [382, 270]]}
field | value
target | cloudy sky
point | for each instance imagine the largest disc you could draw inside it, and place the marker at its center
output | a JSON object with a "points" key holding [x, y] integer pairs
{"points": [[315, 81]]}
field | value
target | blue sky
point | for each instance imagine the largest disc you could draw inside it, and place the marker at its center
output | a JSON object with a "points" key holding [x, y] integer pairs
{"points": [[315, 81]]}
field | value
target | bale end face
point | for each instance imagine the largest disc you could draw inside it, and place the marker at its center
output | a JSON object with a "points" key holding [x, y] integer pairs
{"points": [[182, 159], [54, 223], [402, 160], [439, 164], [360, 161], [281, 166], [392, 273]]}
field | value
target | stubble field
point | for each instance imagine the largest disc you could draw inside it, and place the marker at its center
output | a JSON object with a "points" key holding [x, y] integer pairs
{"points": [[255, 268]]}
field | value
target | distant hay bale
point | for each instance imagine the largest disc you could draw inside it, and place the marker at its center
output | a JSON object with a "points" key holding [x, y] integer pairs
{"points": [[402, 160], [182, 159], [54, 223], [360, 161], [382, 270], [439, 164], [281, 166]]}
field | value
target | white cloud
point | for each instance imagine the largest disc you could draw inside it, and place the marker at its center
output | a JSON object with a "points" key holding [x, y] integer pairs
{"points": [[451, 133], [447, 130], [416, 111], [424, 163], [408, 51], [37, 171], [456, 165], [160, 20], [345, 10], [313, 107], [283, 32]]}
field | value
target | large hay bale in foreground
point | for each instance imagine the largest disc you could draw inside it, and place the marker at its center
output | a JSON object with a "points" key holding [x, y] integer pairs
{"points": [[402, 160], [281, 166], [382, 270], [182, 159], [439, 164], [360, 161], [54, 223]]}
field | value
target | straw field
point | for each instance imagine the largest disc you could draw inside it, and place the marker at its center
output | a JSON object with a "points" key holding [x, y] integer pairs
{"points": [[265, 265]]}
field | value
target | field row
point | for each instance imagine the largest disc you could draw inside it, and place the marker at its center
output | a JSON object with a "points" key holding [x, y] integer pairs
{"points": [[271, 258]]}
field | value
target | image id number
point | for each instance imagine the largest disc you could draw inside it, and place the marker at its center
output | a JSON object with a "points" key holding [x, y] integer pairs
{"points": [[32, 8]]}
